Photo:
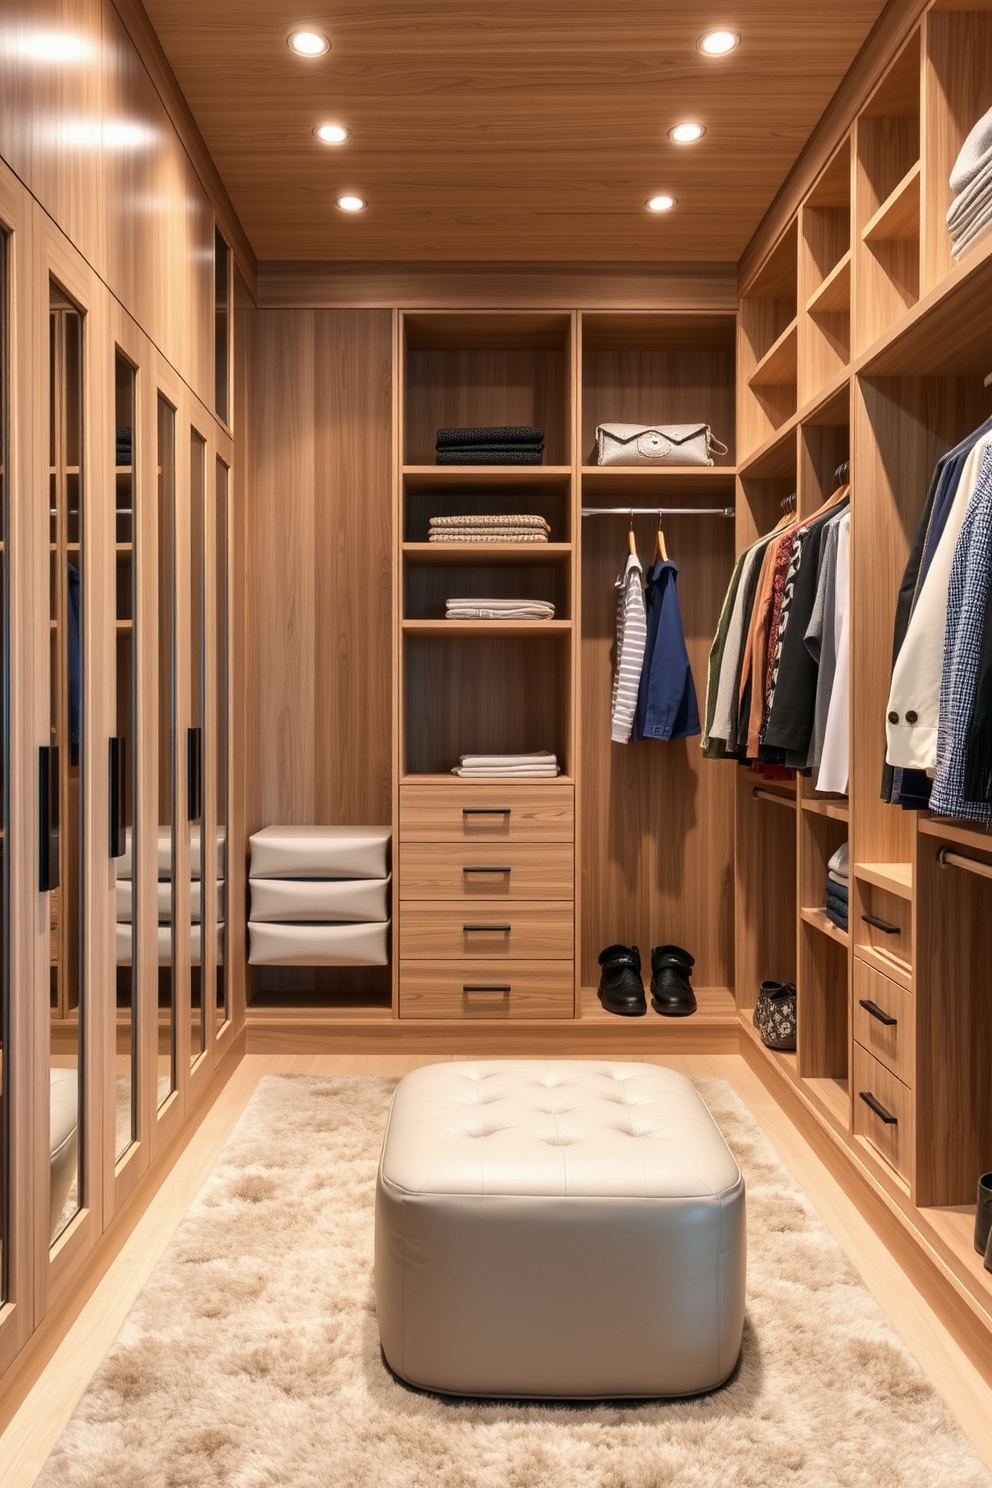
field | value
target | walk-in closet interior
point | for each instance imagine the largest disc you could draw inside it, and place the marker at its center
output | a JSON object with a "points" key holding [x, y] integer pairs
{"points": [[309, 520]]}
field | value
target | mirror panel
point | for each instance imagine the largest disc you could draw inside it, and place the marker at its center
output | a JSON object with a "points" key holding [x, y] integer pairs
{"points": [[166, 728], [221, 769], [198, 862], [124, 759], [4, 738]]}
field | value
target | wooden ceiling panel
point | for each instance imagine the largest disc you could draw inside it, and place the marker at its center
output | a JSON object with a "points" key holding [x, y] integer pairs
{"points": [[489, 131]]}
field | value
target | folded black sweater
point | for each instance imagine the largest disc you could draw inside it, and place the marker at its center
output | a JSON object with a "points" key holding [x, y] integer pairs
{"points": [[491, 437], [492, 455]]}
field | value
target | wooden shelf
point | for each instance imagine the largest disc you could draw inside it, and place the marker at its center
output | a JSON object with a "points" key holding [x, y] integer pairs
{"points": [[777, 367], [836, 810], [716, 1005], [786, 1061], [503, 781], [955, 1228], [819, 919], [706, 477], [446, 554], [485, 627], [833, 1096], [894, 878], [935, 826], [419, 477], [776, 456], [898, 218], [834, 292]]}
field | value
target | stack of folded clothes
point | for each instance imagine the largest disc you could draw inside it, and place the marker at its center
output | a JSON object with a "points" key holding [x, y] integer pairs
{"points": [[513, 445], [507, 766], [123, 445], [499, 609], [512, 528], [838, 878], [970, 213]]}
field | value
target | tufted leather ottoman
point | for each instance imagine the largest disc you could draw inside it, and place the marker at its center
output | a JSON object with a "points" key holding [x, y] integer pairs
{"points": [[563, 1229]]}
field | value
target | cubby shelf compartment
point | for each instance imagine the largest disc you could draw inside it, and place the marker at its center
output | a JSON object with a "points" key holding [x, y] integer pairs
{"points": [[819, 920], [832, 1095], [834, 292], [784, 1058], [898, 218], [894, 878], [837, 810], [716, 1007], [777, 368], [485, 627]]}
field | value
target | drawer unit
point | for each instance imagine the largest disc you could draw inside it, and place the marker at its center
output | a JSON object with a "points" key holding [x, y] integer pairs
{"points": [[886, 924], [469, 811], [488, 930], [481, 989], [883, 1111], [471, 871], [884, 1020]]}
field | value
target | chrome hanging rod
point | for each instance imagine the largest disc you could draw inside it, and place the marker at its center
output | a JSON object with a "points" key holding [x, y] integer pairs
{"points": [[658, 511], [947, 858]]}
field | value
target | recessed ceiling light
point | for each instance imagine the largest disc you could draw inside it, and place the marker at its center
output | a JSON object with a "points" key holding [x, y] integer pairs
{"points": [[661, 203], [351, 203], [308, 43], [332, 134], [684, 134], [718, 43]]}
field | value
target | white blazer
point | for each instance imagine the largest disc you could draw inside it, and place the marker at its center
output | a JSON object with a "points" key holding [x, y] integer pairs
{"points": [[914, 696]]}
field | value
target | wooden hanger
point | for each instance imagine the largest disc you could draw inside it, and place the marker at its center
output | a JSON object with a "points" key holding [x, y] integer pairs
{"points": [[660, 551], [631, 540]]}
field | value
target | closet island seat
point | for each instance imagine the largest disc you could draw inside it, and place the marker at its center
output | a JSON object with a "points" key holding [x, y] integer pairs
{"points": [[564, 1229]]}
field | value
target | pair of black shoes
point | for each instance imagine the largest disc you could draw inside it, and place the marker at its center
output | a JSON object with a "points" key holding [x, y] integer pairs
{"points": [[621, 990]]}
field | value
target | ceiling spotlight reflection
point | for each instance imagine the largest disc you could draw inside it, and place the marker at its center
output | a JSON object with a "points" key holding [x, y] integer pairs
{"points": [[308, 43], [686, 134], [55, 46], [661, 203], [718, 43], [332, 134], [351, 203]]}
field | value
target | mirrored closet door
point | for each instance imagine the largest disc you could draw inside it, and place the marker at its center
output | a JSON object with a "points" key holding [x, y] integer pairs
{"points": [[4, 815], [165, 698]]}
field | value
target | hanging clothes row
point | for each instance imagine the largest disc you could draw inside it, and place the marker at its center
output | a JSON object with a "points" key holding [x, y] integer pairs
{"points": [[779, 664], [654, 696], [939, 713]]}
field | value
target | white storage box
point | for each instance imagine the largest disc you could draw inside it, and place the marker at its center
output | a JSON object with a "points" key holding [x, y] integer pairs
{"points": [[318, 945], [356, 900], [320, 852]]}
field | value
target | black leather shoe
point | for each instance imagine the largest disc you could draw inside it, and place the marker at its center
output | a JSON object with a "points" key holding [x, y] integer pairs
{"points": [[671, 994], [620, 987]]}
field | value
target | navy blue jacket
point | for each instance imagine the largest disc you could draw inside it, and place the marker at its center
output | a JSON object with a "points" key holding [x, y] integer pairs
{"points": [[666, 699]]}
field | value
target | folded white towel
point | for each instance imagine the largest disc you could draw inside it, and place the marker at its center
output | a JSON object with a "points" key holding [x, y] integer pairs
{"points": [[839, 862], [975, 155], [536, 772], [498, 761], [485, 611]]}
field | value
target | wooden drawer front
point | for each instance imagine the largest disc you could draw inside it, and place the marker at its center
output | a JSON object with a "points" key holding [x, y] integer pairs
{"points": [[486, 930], [888, 929], [892, 1138], [467, 812], [471, 871], [481, 989], [890, 1042]]}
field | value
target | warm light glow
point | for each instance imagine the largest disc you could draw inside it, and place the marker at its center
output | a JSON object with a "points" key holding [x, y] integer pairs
{"points": [[309, 43], [332, 134], [661, 203], [718, 43], [685, 134], [351, 203], [55, 46]]}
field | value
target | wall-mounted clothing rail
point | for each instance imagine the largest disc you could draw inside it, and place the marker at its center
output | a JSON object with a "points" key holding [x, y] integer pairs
{"points": [[766, 795], [658, 511], [948, 859]]}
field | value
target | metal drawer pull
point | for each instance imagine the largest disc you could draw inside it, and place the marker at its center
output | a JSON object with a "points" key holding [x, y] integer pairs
{"points": [[487, 870], [877, 1012], [878, 1108], [486, 811], [503, 987], [883, 925], [488, 929]]}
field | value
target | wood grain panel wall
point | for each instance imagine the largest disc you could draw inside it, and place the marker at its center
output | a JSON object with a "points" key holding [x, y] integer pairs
{"points": [[319, 570], [89, 135]]}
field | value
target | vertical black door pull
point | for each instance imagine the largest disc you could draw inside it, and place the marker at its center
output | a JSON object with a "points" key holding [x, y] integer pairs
{"points": [[48, 818], [194, 773], [118, 795]]}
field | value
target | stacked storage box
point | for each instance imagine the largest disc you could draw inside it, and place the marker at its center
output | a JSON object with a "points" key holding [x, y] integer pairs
{"points": [[125, 897], [319, 896]]}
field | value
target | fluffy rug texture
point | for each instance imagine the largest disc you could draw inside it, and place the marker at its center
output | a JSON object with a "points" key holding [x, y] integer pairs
{"points": [[251, 1358]]}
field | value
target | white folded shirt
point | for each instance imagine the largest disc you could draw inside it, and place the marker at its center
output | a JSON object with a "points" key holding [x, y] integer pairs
{"points": [[532, 772], [839, 862], [500, 761]]}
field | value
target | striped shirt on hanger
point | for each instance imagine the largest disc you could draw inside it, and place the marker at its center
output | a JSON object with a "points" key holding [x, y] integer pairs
{"points": [[632, 637]]}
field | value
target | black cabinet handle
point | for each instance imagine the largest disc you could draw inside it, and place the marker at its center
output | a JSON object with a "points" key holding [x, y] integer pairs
{"points": [[883, 925], [878, 1108], [48, 818], [877, 1012], [118, 796], [486, 811], [194, 773], [493, 929], [487, 870], [503, 987]]}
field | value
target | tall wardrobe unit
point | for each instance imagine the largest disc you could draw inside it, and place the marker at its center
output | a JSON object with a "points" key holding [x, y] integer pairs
{"points": [[115, 957]]}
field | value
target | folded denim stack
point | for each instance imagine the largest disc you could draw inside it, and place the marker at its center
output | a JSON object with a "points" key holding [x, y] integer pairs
{"points": [[163, 891], [838, 886], [498, 609], [970, 213], [515, 444], [489, 528], [319, 896], [537, 766]]}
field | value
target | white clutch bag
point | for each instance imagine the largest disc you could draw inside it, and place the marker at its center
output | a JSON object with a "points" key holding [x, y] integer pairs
{"points": [[656, 444]]}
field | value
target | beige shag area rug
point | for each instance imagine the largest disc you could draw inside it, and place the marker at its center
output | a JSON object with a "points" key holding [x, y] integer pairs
{"points": [[251, 1358]]}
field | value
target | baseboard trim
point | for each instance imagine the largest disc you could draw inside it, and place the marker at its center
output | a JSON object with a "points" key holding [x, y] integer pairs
{"points": [[488, 1039]]}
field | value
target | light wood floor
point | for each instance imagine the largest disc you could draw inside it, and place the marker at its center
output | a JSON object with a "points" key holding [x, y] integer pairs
{"points": [[33, 1432]]}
